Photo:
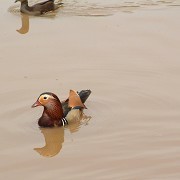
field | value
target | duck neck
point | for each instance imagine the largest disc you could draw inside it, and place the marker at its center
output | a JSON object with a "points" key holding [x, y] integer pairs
{"points": [[24, 4], [53, 111]]}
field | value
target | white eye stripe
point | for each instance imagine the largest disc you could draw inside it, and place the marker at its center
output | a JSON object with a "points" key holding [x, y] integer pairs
{"points": [[46, 96]]}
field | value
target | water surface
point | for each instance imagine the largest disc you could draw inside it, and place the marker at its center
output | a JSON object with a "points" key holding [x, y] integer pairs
{"points": [[130, 61], [102, 7]]}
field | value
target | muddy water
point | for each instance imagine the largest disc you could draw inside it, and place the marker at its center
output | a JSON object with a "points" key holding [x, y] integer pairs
{"points": [[130, 61], [102, 7]]}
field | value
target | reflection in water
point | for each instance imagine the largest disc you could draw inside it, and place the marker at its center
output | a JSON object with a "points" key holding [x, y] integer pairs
{"points": [[25, 24], [83, 8], [54, 137], [25, 18], [25, 21]]}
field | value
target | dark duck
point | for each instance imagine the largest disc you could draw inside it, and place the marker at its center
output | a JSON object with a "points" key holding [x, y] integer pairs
{"points": [[57, 113], [39, 8]]}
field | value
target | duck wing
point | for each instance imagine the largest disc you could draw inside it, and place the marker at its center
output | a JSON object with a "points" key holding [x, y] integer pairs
{"points": [[43, 3], [44, 7], [75, 100], [84, 94]]}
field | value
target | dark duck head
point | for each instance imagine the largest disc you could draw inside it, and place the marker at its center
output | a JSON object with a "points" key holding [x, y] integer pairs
{"points": [[53, 112]]}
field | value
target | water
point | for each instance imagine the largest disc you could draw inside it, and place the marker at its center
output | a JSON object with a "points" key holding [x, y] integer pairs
{"points": [[104, 7], [130, 61]]}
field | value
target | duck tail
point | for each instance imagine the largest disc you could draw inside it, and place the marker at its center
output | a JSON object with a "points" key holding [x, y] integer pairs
{"points": [[84, 94]]}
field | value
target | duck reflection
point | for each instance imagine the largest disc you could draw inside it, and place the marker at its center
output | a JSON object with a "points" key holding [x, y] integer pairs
{"points": [[54, 137], [25, 24]]}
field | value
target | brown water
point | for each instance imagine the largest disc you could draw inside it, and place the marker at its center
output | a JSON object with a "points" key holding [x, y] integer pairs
{"points": [[130, 61]]}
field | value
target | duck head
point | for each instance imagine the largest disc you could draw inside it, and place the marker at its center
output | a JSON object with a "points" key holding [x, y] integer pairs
{"points": [[53, 111]]}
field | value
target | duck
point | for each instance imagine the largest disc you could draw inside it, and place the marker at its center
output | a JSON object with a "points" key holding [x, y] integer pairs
{"points": [[39, 8], [57, 113]]}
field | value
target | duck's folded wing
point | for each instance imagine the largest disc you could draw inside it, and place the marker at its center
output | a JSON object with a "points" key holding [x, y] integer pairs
{"points": [[44, 7], [45, 2]]}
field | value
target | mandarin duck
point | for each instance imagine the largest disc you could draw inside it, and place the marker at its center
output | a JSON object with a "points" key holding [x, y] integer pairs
{"points": [[39, 8], [57, 113]]}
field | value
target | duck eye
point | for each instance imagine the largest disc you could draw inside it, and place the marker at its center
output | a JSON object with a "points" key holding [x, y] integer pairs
{"points": [[45, 97]]}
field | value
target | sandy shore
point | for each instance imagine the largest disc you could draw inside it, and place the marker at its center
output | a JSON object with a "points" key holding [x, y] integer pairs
{"points": [[131, 62]]}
